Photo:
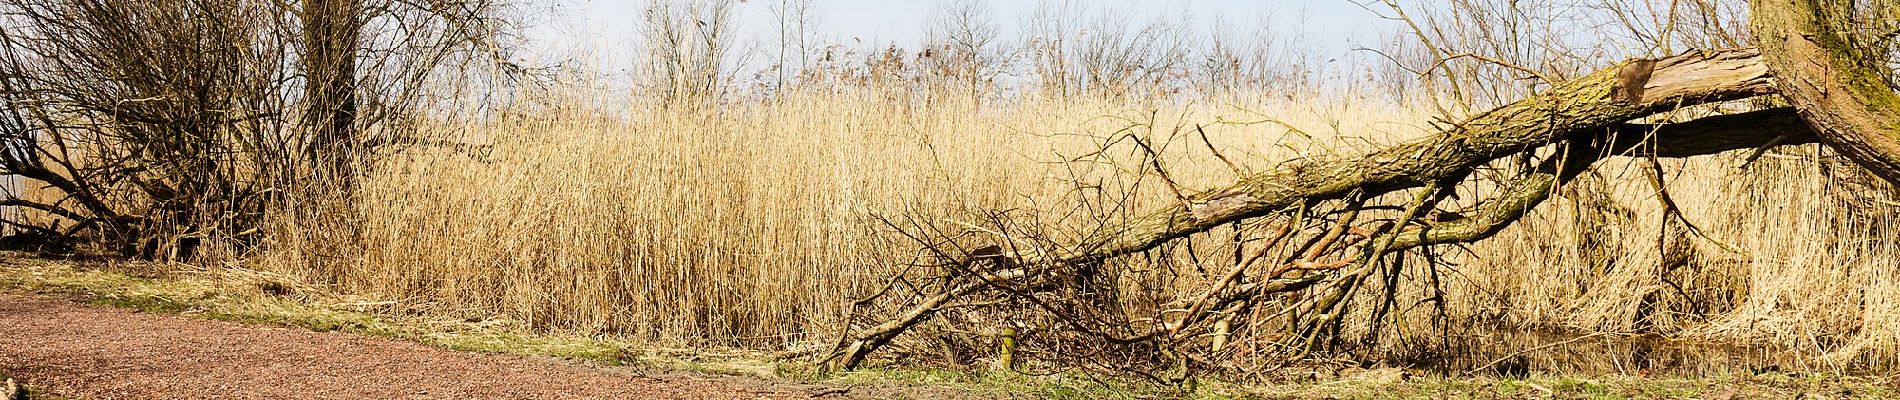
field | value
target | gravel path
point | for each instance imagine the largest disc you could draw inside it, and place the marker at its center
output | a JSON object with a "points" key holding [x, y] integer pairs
{"points": [[94, 352]]}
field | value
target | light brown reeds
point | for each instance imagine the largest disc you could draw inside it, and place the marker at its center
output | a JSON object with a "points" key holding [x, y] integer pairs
{"points": [[752, 226]]}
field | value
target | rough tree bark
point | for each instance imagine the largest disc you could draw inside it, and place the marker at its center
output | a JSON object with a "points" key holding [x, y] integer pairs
{"points": [[1705, 136], [1837, 86], [1579, 107], [331, 34]]}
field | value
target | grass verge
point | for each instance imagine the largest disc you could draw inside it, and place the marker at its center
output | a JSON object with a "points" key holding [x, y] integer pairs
{"points": [[234, 294], [240, 295]]}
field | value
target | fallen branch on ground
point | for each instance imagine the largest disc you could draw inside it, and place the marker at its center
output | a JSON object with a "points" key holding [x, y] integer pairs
{"points": [[1585, 118]]}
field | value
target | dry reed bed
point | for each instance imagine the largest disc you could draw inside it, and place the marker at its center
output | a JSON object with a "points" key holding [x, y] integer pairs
{"points": [[753, 225]]}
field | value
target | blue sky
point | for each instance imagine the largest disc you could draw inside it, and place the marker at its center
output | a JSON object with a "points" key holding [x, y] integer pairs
{"points": [[1326, 27], [1327, 20]]}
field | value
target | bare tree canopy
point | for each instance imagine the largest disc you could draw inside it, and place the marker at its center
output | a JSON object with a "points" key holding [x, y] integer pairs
{"points": [[157, 125]]}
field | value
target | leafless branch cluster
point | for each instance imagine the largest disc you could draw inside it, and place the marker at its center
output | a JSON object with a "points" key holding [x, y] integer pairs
{"points": [[1324, 256], [152, 127]]}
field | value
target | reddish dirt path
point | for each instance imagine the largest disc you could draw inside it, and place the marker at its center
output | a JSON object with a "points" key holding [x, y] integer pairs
{"points": [[94, 352]]}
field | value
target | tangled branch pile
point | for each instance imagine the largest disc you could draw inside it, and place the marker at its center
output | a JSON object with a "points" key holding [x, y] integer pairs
{"points": [[1283, 259]]}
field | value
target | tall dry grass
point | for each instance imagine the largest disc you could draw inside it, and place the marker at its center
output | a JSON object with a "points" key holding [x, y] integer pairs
{"points": [[756, 225], [753, 225], [756, 221], [1796, 249]]}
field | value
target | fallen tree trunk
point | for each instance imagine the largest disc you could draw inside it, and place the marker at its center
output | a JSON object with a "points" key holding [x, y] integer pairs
{"points": [[1589, 104], [1841, 96], [1587, 115], [1705, 136]]}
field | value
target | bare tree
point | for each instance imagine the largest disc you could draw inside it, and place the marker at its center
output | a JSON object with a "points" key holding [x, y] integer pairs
{"points": [[366, 61], [157, 126], [962, 42], [1047, 36], [1252, 61], [332, 33], [688, 47], [796, 22], [130, 112], [1076, 49]]}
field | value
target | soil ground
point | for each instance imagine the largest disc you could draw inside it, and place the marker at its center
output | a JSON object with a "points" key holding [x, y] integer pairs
{"points": [[97, 352]]}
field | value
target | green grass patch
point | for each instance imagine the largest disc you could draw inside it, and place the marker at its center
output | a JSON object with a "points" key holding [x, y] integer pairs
{"points": [[216, 295], [250, 297]]}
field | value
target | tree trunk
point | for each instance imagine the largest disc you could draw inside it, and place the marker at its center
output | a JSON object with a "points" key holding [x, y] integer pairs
{"points": [[331, 32], [1837, 86], [1587, 114], [1589, 104]]}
